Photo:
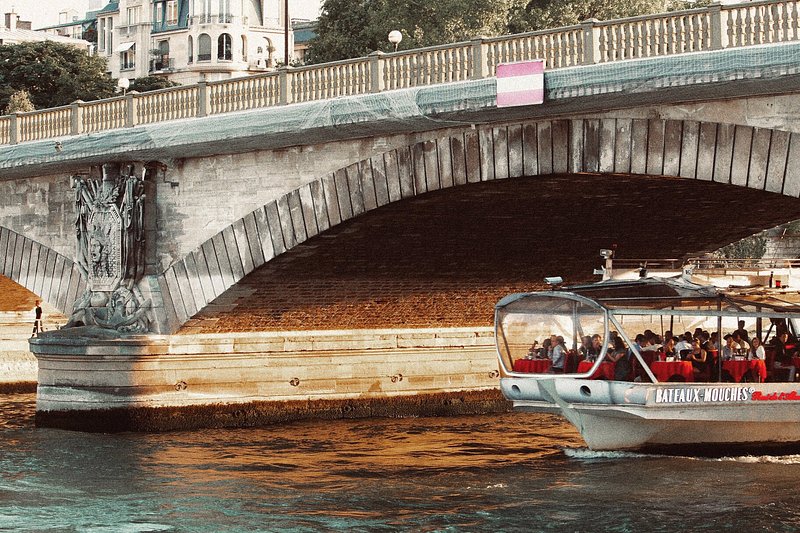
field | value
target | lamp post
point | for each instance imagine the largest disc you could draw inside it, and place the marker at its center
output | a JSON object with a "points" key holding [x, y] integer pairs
{"points": [[123, 84], [285, 33], [395, 37]]}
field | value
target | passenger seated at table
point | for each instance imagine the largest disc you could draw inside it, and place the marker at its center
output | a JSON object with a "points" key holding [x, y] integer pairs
{"points": [[714, 340], [546, 350], [744, 346], [533, 351], [558, 356], [619, 356], [652, 342], [783, 356], [730, 349], [617, 350], [668, 347], [595, 347], [684, 344], [757, 349], [586, 344], [699, 358]]}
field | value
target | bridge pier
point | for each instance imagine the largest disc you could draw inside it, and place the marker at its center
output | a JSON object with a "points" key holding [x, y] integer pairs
{"points": [[91, 380]]}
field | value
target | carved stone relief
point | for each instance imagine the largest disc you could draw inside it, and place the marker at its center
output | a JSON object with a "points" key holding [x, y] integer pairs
{"points": [[109, 229]]}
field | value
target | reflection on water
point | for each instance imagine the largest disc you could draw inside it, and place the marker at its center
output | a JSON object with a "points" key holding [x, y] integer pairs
{"points": [[513, 472]]}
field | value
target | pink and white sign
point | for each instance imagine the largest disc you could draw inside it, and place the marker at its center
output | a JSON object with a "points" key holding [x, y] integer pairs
{"points": [[520, 83]]}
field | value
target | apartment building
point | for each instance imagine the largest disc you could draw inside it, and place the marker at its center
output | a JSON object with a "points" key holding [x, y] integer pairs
{"points": [[15, 31], [191, 40]]}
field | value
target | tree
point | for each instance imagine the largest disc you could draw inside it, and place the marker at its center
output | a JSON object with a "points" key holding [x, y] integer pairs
{"points": [[19, 102], [151, 83], [543, 14], [53, 74], [354, 28]]}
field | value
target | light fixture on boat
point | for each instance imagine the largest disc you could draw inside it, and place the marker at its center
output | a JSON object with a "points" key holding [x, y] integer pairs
{"points": [[554, 280], [606, 254]]}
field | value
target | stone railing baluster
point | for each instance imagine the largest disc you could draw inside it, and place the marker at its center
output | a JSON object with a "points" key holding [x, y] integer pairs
{"points": [[591, 42], [76, 118]]}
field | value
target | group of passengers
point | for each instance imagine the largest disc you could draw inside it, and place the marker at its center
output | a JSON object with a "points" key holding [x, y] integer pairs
{"points": [[701, 348]]}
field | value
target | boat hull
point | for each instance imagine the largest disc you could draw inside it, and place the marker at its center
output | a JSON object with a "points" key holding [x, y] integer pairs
{"points": [[707, 418]]}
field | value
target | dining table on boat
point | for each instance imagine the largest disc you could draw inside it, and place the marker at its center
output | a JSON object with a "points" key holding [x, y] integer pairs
{"points": [[664, 370], [737, 368], [532, 366], [606, 370]]}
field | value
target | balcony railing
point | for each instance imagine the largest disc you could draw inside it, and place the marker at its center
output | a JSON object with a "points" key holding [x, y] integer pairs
{"points": [[592, 42], [162, 64], [217, 19]]}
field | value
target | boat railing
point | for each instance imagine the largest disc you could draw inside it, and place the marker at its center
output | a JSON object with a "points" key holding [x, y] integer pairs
{"points": [[706, 263], [715, 263]]}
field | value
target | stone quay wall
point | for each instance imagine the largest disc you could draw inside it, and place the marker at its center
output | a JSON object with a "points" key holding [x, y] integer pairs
{"points": [[214, 380]]}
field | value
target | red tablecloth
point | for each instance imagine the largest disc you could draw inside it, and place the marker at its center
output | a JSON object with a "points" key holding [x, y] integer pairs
{"points": [[532, 366], [737, 369], [606, 370], [663, 370]]}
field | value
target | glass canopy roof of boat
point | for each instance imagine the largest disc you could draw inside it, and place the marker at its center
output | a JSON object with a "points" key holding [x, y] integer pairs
{"points": [[663, 296]]}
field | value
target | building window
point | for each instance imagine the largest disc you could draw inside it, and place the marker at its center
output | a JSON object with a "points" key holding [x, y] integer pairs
{"points": [[101, 35], [224, 47], [127, 58], [244, 48], [133, 15], [224, 10], [190, 49], [158, 14], [205, 15], [204, 47], [162, 61], [110, 35], [172, 12]]}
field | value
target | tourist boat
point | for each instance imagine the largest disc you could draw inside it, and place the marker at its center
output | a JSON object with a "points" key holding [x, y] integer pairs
{"points": [[659, 406]]}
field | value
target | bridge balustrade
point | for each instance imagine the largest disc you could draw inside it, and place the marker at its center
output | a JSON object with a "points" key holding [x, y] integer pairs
{"points": [[102, 115], [592, 42], [564, 47], [45, 124], [164, 104], [761, 23], [328, 80]]}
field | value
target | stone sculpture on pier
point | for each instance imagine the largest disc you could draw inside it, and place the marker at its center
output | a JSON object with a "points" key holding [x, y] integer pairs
{"points": [[109, 228]]}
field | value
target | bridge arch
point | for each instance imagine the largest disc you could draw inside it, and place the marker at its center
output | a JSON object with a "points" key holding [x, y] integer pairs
{"points": [[757, 158], [53, 277]]}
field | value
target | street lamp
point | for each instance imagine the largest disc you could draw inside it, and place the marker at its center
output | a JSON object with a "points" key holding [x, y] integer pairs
{"points": [[286, 33], [395, 37], [123, 84]]}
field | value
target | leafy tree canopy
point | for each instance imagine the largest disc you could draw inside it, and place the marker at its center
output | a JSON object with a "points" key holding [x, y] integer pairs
{"points": [[151, 83], [53, 74], [354, 28], [19, 102]]}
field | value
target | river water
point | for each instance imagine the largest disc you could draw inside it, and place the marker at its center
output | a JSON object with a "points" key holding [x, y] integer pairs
{"points": [[511, 472]]}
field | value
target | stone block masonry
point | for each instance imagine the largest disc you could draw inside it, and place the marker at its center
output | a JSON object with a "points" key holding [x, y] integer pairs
{"points": [[444, 259]]}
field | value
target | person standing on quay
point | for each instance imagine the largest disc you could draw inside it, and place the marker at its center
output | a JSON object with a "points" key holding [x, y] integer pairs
{"points": [[37, 321]]}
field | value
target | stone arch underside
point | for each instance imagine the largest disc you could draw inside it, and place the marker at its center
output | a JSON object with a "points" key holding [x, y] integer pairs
{"points": [[757, 158], [53, 277]]}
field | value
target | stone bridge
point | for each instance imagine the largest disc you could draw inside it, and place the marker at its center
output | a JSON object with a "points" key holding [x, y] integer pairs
{"points": [[227, 195]]}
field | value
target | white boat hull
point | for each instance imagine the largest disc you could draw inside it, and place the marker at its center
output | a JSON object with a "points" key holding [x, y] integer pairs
{"points": [[667, 417]]}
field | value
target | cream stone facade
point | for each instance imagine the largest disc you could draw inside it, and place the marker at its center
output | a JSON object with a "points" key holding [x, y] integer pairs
{"points": [[188, 41]]}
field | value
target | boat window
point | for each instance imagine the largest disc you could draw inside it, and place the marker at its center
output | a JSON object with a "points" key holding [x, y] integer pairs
{"points": [[525, 327]]}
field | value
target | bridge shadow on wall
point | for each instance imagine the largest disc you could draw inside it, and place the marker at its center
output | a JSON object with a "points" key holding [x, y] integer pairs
{"points": [[443, 259]]}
